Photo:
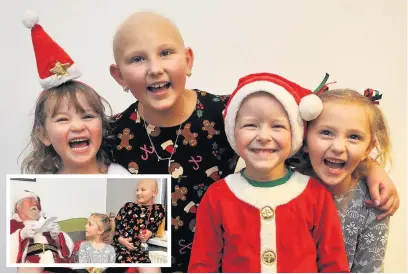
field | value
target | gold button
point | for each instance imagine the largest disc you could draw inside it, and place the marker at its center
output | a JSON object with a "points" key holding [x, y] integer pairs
{"points": [[267, 213], [269, 257]]}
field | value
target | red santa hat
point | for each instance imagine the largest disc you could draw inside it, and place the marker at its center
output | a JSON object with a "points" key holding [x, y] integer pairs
{"points": [[54, 65], [22, 194], [300, 104]]}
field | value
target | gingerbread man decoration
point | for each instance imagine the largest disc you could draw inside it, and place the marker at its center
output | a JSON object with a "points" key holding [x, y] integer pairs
{"points": [[210, 128], [189, 137], [125, 137], [178, 194], [176, 222]]}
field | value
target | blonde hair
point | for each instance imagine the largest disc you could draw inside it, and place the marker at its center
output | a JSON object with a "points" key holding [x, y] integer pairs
{"points": [[378, 131], [107, 225], [44, 159]]}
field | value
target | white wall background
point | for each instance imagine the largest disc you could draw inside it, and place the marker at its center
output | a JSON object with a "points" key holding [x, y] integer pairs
{"points": [[360, 43], [66, 198], [121, 191]]}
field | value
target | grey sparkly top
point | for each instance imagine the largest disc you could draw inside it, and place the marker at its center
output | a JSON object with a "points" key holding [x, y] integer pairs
{"points": [[88, 254], [365, 238]]}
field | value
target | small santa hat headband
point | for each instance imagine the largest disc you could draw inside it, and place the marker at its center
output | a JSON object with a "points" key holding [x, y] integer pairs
{"points": [[300, 103], [22, 194], [54, 65]]}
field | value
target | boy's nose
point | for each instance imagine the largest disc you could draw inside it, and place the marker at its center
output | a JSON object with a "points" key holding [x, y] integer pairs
{"points": [[264, 135]]}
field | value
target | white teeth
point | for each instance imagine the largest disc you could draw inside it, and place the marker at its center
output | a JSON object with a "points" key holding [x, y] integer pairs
{"points": [[158, 85], [335, 161], [79, 148], [78, 140]]}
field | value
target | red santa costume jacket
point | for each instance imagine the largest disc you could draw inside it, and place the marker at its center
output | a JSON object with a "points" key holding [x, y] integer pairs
{"points": [[293, 227], [19, 247]]}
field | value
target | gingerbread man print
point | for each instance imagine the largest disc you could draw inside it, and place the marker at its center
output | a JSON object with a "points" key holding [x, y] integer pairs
{"points": [[176, 222], [209, 127], [178, 194], [125, 137], [189, 137]]}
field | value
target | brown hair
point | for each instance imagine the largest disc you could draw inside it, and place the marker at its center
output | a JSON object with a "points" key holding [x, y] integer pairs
{"points": [[378, 131], [107, 225], [44, 159]]}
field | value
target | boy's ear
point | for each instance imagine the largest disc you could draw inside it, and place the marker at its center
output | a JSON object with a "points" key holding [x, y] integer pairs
{"points": [[117, 75], [189, 59], [42, 135]]}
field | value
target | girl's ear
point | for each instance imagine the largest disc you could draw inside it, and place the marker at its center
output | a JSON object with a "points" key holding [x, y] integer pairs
{"points": [[100, 231], [42, 135]]}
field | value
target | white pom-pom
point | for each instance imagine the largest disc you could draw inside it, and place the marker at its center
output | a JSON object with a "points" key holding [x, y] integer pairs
{"points": [[310, 107], [30, 18]]}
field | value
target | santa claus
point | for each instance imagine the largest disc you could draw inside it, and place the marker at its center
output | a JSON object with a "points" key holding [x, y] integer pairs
{"points": [[33, 238]]}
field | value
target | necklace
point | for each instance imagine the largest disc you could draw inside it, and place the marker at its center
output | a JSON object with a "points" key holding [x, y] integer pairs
{"points": [[159, 158]]}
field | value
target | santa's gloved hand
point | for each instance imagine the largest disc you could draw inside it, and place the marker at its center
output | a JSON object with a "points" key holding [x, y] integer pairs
{"points": [[28, 231], [55, 230]]}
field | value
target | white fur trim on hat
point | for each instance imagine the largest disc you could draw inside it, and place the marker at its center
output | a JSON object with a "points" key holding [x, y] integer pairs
{"points": [[282, 95], [53, 81], [20, 195], [310, 107]]}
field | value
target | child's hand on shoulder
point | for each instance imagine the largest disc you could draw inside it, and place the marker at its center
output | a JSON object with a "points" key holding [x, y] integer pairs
{"points": [[383, 193]]}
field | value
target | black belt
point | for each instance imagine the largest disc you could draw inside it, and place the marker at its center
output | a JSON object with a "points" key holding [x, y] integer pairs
{"points": [[34, 249]]}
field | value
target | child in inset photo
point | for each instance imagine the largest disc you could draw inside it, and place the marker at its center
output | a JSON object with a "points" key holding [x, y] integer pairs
{"points": [[99, 233], [136, 222]]}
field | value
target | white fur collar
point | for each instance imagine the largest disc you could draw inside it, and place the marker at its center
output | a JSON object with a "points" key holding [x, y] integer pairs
{"points": [[262, 196]]}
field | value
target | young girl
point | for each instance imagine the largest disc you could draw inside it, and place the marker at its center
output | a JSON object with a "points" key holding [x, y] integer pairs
{"points": [[179, 131], [136, 222], [268, 218], [99, 233], [338, 143], [70, 133]]}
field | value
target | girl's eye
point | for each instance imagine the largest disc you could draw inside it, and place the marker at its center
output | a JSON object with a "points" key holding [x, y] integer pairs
{"points": [[165, 52], [355, 137], [325, 132], [61, 119], [249, 125], [89, 116], [137, 59]]}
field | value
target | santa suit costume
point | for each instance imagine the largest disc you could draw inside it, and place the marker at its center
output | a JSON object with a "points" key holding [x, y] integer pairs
{"points": [[290, 226], [41, 249], [242, 228]]}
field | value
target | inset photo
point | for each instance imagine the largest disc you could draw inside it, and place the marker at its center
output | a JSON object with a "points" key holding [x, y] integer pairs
{"points": [[83, 221]]}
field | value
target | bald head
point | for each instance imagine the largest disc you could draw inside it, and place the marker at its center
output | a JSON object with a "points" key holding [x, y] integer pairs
{"points": [[140, 24], [148, 183], [146, 191]]}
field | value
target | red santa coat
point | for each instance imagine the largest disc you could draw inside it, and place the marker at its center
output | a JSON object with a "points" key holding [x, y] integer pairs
{"points": [[19, 247], [293, 227]]}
